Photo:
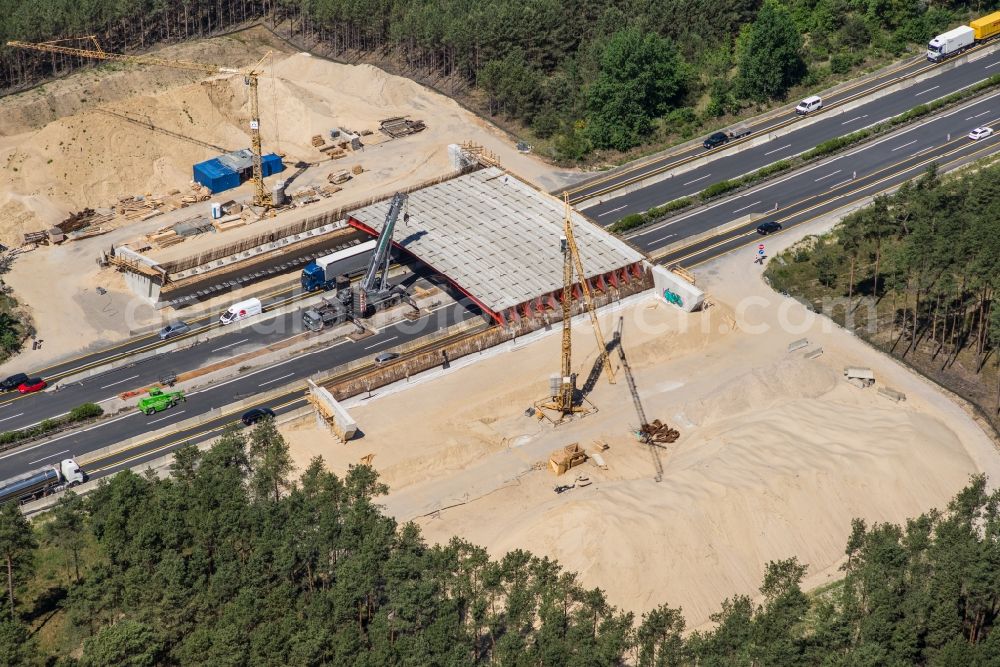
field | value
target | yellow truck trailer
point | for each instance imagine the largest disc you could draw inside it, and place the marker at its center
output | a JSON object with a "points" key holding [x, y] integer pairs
{"points": [[986, 27]]}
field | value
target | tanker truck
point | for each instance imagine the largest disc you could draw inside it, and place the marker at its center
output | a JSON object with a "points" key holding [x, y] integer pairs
{"points": [[37, 483]]}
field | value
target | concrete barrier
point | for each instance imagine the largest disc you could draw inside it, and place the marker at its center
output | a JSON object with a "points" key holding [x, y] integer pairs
{"points": [[891, 394], [798, 344]]}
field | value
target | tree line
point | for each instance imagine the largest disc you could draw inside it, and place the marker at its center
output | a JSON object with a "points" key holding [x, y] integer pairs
{"points": [[578, 75], [927, 259], [229, 561]]}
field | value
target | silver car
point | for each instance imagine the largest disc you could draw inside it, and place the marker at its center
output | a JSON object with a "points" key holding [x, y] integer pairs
{"points": [[174, 329]]}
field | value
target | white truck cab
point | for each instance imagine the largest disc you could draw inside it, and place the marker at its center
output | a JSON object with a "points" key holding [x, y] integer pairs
{"points": [[71, 473]]}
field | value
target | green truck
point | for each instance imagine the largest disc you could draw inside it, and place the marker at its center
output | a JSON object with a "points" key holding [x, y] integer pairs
{"points": [[159, 400]]}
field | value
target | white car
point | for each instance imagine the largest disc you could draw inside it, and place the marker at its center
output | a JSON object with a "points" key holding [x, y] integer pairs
{"points": [[809, 105], [980, 133]]}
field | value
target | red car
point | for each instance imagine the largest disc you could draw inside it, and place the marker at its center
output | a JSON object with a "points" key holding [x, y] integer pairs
{"points": [[32, 385]]}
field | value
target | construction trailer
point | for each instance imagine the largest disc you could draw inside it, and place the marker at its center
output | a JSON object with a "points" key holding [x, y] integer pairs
{"points": [[230, 170]]}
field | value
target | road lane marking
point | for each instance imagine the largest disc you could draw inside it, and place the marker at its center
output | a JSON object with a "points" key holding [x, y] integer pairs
{"points": [[899, 148], [698, 179], [11, 417], [167, 417], [663, 239], [381, 342], [600, 215], [778, 149], [119, 382], [832, 173], [992, 65], [746, 207], [841, 183], [276, 379], [854, 119], [31, 463], [230, 345], [926, 91]]}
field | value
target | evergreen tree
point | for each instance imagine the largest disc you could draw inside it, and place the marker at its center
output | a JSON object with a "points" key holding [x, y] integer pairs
{"points": [[17, 550], [769, 55]]}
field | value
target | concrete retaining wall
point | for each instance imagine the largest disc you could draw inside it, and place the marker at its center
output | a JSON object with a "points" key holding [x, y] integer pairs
{"points": [[665, 280]]}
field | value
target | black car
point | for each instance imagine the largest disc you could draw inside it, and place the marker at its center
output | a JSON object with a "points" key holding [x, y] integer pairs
{"points": [[251, 417], [13, 382], [715, 140], [768, 228]]}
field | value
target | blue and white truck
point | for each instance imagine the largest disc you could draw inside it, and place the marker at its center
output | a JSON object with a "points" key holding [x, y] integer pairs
{"points": [[322, 273]]}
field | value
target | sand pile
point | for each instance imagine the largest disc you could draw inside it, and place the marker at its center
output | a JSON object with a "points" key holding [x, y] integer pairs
{"points": [[776, 456], [60, 151]]}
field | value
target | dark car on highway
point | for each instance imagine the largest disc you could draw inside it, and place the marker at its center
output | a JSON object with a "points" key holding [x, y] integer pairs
{"points": [[715, 140], [251, 417], [768, 228], [12, 383]]}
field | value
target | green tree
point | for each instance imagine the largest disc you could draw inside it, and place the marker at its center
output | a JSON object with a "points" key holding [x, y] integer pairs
{"points": [[769, 54], [66, 530], [17, 646], [269, 460], [641, 77], [128, 643], [17, 549]]}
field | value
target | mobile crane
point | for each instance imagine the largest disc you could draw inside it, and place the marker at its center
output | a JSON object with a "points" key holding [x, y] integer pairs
{"points": [[250, 78]]}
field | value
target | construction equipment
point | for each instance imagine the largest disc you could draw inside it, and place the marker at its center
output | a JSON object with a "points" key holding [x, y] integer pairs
{"points": [[651, 434], [575, 252], [374, 291], [564, 400], [250, 78]]}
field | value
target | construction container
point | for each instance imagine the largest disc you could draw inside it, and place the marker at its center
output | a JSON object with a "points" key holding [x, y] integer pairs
{"points": [[216, 211], [986, 27]]}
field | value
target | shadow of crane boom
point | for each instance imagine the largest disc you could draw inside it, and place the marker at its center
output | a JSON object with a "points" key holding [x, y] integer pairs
{"points": [[141, 122]]}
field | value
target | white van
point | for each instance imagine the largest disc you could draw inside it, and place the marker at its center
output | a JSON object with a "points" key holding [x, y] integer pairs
{"points": [[809, 105], [241, 311]]}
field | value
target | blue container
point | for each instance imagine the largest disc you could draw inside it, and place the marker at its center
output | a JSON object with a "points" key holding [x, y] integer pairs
{"points": [[215, 176]]}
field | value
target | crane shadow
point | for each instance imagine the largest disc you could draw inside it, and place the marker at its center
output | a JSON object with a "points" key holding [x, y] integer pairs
{"points": [[595, 370]]}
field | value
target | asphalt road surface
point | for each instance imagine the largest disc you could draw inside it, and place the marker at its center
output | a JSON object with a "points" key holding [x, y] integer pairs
{"points": [[797, 141], [858, 173], [133, 423]]}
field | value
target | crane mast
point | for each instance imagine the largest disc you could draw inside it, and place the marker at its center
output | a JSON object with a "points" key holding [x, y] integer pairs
{"points": [[374, 287], [250, 77]]}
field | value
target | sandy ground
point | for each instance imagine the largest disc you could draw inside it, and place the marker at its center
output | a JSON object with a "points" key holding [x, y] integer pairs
{"points": [[60, 153], [777, 453]]}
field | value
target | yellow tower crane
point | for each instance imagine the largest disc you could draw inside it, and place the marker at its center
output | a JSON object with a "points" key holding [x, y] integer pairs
{"points": [[250, 76]]}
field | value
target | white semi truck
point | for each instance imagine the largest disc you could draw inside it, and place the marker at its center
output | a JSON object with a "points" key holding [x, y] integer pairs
{"points": [[37, 483], [950, 43]]}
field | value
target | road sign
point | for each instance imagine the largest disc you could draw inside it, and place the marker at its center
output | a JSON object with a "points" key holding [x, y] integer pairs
{"points": [[760, 247], [760, 252]]}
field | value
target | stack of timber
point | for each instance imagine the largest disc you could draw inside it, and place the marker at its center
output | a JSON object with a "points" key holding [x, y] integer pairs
{"points": [[318, 140]]}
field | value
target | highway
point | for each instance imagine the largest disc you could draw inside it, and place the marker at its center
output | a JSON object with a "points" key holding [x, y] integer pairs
{"points": [[793, 143], [946, 155], [861, 172], [133, 423]]}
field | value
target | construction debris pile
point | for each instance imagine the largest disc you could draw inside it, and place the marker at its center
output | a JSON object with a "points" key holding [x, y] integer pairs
{"points": [[400, 126], [79, 225], [657, 432]]}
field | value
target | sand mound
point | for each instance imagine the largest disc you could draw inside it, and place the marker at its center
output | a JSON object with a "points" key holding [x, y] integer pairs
{"points": [[762, 388], [756, 487], [59, 144]]}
